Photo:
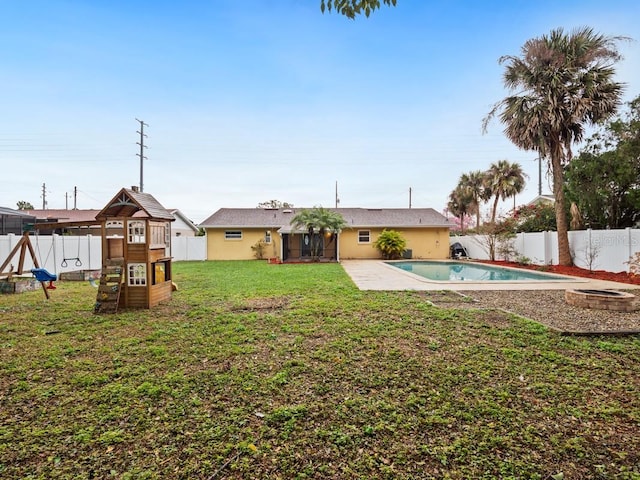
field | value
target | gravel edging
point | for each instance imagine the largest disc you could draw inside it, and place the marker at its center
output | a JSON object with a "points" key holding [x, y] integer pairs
{"points": [[549, 308]]}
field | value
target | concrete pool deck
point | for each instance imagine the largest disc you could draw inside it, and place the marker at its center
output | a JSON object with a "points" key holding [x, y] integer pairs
{"points": [[377, 275]]}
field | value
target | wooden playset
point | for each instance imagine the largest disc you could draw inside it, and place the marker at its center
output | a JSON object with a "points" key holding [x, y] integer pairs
{"points": [[136, 253]]}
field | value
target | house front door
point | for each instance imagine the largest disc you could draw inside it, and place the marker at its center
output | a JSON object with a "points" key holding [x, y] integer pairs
{"points": [[307, 243]]}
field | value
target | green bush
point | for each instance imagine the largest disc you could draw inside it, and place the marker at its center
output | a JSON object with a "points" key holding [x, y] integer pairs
{"points": [[259, 249], [391, 244]]}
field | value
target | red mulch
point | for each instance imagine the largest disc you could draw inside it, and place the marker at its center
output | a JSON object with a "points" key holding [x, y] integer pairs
{"points": [[622, 277]]}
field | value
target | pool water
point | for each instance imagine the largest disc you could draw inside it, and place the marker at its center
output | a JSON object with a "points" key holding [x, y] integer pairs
{"points": [[471, 272]]}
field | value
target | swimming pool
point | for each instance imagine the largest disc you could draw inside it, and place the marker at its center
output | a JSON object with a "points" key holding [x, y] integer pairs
{"points": [[472, 272]]}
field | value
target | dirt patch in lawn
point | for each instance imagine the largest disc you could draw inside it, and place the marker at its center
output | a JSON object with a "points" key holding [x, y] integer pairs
{"points": [[261, 304]]}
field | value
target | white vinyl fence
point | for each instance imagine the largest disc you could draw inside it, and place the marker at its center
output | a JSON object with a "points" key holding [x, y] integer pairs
{"points": [[608, 250], [188, 248], [63, 253]]}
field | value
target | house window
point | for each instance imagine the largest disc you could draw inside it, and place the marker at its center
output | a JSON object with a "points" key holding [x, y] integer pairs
{"points": [[135, 230], [267, 236], [137, 274], [364, 236], [233, 235]]}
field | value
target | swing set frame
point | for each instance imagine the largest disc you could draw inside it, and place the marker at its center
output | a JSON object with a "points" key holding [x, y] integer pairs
{"points": [[24, 245]]}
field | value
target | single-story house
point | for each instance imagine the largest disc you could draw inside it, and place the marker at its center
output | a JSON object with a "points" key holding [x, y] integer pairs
{"points": [[182, 226], [231, 232]]}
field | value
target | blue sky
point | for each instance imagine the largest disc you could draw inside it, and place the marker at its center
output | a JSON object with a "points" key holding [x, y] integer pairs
{"points": [[252, 100]]}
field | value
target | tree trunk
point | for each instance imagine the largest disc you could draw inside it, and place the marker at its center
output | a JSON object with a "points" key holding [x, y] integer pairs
{"points": [[495, 208], [564, 252]]}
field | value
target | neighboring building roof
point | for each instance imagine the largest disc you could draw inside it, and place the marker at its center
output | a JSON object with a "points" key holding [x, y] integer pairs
{"points": [[354, 217], [177, 214], [63, 215], [17, 213], [14, 221], [130, 202], [547, 198]]}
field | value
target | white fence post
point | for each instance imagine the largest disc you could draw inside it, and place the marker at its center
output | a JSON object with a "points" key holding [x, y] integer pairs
{"points": [[630, 251]]}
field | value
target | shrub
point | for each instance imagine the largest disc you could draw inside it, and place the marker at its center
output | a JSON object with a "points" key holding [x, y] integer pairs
{"points": [[391, 244], [634, 264], [535, 218], [259, 248]]}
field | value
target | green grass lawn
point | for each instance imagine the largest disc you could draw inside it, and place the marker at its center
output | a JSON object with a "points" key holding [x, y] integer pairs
{"points": [[289, 371]]}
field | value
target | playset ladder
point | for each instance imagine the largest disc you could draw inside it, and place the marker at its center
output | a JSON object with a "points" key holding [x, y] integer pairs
{"points": [[108, 295]]}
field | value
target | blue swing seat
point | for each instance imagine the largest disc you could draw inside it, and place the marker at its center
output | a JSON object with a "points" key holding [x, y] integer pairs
{"points": [[43, 275]]}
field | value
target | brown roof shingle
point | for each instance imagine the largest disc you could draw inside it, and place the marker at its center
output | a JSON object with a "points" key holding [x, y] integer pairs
{"points": [[354, 217], [128, 202]]}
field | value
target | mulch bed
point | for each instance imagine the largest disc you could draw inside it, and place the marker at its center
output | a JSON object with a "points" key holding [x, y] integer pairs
{"points": [[622, 277]]}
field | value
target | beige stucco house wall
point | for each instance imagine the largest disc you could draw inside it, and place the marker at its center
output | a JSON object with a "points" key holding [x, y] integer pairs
{"points": [[424, 243], [219, 247]]}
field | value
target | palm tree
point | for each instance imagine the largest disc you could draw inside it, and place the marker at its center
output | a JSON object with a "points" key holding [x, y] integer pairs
{"points": [[460, 204], [518, 181], [23, 205], [562, 83], [503, 180], [352, 8], [474, 183], [318, 221]]}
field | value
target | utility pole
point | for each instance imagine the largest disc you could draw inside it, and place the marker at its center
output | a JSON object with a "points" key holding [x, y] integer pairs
{"points": [[66, 200], [337, 199], [539, 176], [75, 198], [409, 197], [142, 147], [44, 196]]}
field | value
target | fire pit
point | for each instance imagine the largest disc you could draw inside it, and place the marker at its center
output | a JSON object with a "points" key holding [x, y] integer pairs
{"points": [[601, 299]]}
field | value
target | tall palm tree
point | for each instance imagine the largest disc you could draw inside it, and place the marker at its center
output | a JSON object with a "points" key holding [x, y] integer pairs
{"points": [[503, 180], [474, 183], [562, 83]]}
